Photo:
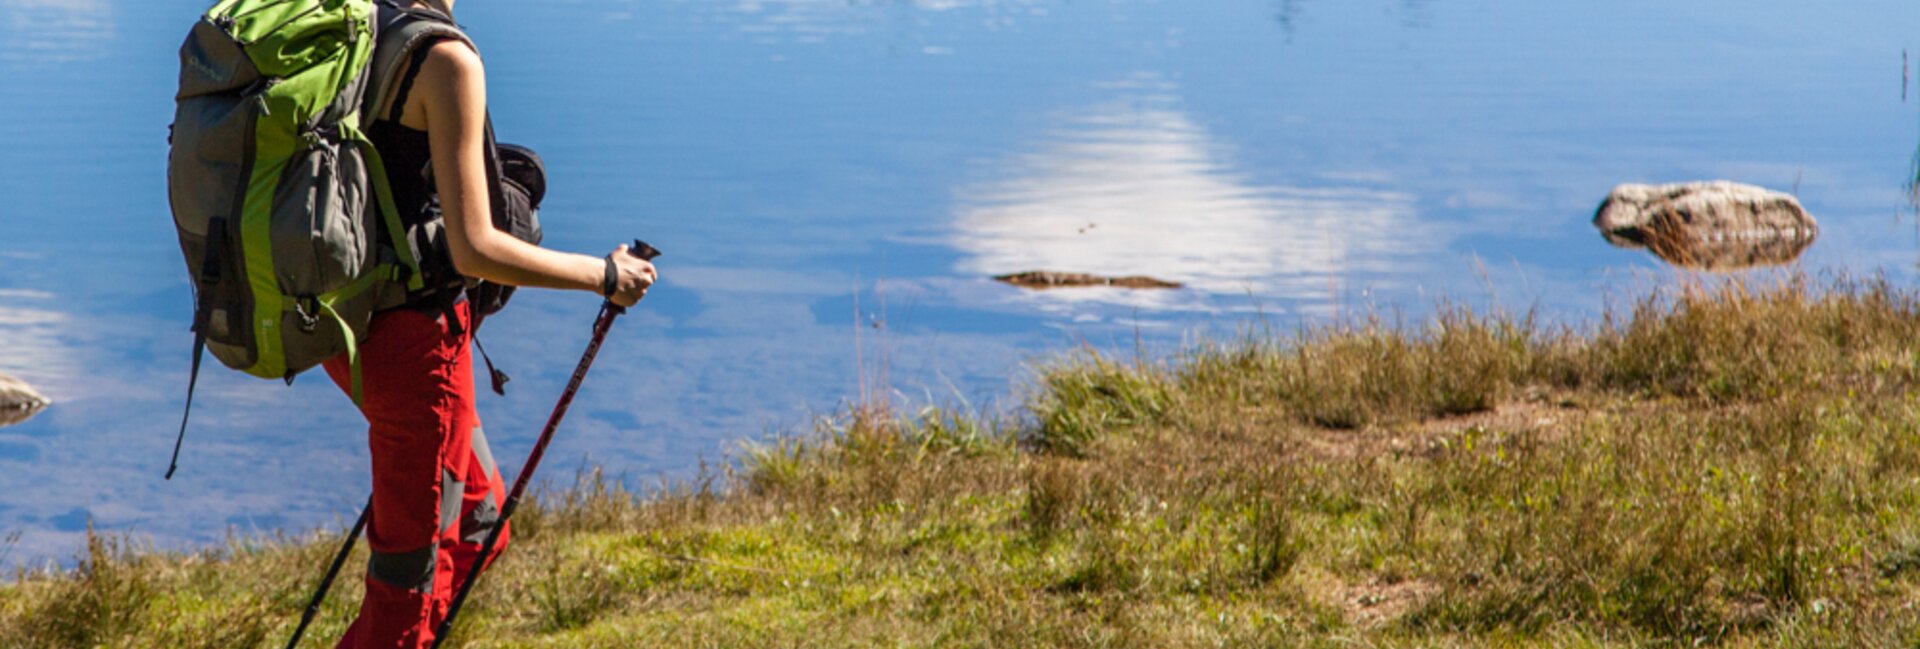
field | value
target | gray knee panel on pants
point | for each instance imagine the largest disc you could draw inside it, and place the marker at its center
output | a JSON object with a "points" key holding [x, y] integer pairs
{"points": [[410, 570]]}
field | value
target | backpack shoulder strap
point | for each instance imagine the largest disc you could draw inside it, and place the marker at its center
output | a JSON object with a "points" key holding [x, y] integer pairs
{"points": [[402, 31]]}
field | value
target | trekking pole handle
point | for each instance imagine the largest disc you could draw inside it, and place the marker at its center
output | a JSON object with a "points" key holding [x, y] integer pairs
{"points": [[642, 250], [639, 249]]}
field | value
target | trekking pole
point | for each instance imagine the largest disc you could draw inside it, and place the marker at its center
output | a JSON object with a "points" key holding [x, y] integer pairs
{"points": [[608, 311], [320, 594]]}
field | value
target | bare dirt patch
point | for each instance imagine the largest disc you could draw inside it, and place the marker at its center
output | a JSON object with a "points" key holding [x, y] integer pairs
{"points": [[1377, 603]]}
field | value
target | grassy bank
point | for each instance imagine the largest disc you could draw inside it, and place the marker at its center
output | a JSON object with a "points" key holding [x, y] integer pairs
{"points": [[1733, 466]]}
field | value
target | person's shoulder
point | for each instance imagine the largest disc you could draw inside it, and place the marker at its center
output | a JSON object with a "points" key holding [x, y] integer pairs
{"points": [[451, 63]]}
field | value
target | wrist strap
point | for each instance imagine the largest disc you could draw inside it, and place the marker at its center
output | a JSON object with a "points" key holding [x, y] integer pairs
{"points": [[611, 282]]}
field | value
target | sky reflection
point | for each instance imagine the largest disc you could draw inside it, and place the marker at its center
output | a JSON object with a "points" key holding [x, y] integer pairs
{"points": [[54, 31]]}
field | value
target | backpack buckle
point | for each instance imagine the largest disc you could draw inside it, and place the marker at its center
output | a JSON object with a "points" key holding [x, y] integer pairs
{"points": [[314, 137], [308, 308]]}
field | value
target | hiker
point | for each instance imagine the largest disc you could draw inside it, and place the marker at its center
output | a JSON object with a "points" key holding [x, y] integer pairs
{"points": [[436, 491], [341, 203]]}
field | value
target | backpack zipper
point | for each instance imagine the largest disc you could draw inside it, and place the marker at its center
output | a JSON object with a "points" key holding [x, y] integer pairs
{"points": [[322, 144]]}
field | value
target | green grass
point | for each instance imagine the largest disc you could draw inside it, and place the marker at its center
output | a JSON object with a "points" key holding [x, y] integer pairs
{"points": [[1734, 466]]}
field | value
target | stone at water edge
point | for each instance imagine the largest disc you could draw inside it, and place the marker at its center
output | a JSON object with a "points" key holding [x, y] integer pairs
{"points": [[1045, 279], [1712, 225], [18, 401]]}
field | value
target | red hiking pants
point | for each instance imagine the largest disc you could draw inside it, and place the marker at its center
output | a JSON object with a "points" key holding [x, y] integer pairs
{"points": [[436, 490]]}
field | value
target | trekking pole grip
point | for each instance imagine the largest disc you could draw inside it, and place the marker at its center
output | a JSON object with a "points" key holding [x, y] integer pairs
{"points": [[639, 249], [642, 250]]}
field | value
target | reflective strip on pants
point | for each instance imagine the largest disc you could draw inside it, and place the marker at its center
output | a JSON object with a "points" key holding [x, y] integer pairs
{"points": [[477, 524]]}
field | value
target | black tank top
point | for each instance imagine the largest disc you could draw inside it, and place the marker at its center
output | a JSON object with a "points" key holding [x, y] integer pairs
{"points": [[407, 152]]}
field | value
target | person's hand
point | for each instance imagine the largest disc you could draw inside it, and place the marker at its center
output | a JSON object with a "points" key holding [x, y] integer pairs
{"points": [[633, 277]]}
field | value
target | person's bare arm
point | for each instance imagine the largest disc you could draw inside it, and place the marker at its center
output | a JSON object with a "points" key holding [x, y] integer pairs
{"points": [[452, 93]]}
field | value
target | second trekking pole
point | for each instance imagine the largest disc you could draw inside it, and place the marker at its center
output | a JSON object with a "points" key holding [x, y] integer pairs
{"points": [[339, 559], [608, 312]]}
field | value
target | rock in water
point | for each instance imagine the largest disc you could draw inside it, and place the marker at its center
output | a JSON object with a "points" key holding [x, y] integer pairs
{"points": [[1044, 279], [18, 401], [1717, 225]]}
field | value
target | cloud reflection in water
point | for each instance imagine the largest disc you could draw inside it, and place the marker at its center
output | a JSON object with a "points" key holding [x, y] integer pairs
{"points": [[1136, 187], [33, 345]]}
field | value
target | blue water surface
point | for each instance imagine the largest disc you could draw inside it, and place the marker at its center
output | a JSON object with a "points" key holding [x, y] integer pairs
{"points": [[834, 182]]}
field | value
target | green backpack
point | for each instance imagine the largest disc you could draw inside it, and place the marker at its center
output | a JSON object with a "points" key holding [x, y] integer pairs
{"points": [[281, 203], [277, 195]]}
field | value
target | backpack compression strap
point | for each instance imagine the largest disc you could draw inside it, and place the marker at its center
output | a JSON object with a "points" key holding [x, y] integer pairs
{"points": [[202, 312]]}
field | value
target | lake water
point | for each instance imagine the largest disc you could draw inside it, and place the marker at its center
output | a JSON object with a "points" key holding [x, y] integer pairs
{"points": [[835, 180]]}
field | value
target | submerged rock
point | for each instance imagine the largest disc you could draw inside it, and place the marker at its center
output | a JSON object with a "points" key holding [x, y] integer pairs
{"points": [[18, 401], [1717, 225], [1044, 279]]}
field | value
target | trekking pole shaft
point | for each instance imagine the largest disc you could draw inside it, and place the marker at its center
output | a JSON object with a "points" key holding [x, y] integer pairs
{"points": [[326, 583], [608, 312]]}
